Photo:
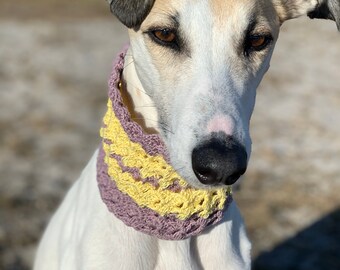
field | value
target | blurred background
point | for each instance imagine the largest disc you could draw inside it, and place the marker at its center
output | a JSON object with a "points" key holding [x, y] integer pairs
{"points": [[55, 58]]}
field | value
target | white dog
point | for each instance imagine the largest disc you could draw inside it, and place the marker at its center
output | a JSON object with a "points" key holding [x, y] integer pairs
{"points": [[182, 94]]}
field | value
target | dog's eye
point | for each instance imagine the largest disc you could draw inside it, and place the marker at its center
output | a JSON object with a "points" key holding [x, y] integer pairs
{"points": [[165, 35], [257, 42]]}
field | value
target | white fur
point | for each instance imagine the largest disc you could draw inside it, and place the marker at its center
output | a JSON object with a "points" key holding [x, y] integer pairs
{"points": [[186, 92]]}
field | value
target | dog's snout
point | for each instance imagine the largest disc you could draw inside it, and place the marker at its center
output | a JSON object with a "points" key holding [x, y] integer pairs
{"points": [[220, 160]]}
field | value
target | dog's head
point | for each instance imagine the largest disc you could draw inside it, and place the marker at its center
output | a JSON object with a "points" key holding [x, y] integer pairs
{"points": [[201, 62]]}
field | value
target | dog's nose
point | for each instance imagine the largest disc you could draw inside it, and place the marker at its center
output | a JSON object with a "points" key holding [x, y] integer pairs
{"points": [[220, 160]]}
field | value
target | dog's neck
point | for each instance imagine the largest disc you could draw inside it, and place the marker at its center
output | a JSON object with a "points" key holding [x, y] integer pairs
{"points": [[140, 105]]}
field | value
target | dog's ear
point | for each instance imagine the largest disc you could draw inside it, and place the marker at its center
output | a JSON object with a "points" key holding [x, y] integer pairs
{"points": [[131, 12], [327, 9], [323, 9]]}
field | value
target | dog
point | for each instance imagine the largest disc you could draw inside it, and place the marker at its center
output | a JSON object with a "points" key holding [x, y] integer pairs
{"points": [[189, 76]]}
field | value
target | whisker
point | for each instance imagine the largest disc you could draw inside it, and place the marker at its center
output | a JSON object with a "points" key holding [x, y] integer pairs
{"points": [[179, 169], [142, 118], [145, 106], [134, 86], [168, 130], [144, 92], [128, 64], [164, 126]]}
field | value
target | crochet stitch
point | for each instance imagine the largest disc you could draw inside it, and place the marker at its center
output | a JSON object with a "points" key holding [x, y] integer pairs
{"points": [[139, 186]]}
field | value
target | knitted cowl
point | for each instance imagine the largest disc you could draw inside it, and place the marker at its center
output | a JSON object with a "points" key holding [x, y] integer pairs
{"points": [[138, 185]]}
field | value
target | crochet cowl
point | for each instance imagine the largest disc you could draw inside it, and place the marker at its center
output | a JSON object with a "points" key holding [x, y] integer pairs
{"points": [[138, 185]]}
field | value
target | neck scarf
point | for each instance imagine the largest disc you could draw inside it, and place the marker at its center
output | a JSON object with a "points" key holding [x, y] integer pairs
{"points": [[137, 183]]}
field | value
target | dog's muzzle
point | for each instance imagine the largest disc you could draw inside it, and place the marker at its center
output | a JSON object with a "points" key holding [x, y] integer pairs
{"points": [[219, 160]]}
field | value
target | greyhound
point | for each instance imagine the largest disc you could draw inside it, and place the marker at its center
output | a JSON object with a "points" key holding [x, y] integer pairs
{"points": [[190, 75]]}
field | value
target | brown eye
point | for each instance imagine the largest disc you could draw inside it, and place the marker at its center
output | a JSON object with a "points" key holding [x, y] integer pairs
{"points": [[257, 41], [165, 35]]}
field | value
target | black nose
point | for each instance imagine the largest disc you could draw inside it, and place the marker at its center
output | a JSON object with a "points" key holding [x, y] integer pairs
{"points": [[220, 160]]}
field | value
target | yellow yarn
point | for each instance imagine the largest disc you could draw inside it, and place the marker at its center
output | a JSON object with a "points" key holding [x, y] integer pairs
{"points": [[185, 203]]}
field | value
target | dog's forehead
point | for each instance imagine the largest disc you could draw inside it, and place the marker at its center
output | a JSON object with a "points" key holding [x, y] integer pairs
{"points": [[221, 12], [223, 9]]}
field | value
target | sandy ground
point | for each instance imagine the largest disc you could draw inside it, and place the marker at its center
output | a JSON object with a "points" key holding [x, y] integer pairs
{"points": [[52, 96]]}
